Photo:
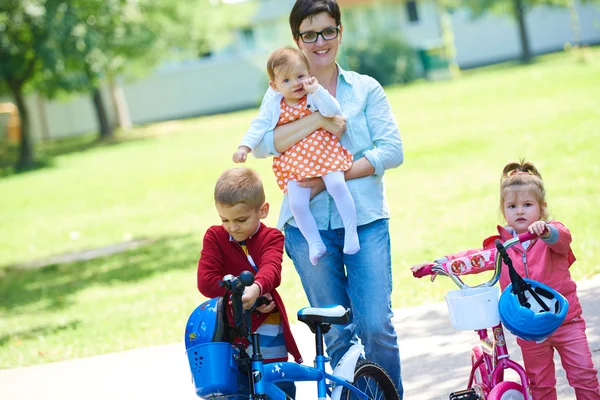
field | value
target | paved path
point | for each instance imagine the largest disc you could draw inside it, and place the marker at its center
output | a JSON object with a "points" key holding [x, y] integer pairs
{"points": [[435, 362]]}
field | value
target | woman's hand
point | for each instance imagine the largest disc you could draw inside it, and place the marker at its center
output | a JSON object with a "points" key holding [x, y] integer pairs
{"points": [[316, 185], [335, 125]]}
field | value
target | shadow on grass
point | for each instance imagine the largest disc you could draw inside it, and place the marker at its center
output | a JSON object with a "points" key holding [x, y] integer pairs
{"points": [[51, 287], [44, 330], [46, 150]]}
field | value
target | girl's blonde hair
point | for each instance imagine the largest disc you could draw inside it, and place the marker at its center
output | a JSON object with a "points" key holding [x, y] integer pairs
{"points": [[522, 174], [282, 57]]}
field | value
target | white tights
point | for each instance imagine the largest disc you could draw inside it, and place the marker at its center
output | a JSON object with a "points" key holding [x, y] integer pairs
{"points": [[299, 198]]}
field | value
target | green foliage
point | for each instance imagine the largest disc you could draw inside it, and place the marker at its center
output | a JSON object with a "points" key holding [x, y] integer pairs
{"points": [[387, 58], [157, 186]]}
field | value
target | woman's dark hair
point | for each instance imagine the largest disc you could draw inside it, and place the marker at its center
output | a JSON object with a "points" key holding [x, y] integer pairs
{"points": [[308, 8]]}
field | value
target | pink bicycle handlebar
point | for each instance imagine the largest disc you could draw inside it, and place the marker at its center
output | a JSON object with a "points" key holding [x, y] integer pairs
{"points": [[480, 261]]}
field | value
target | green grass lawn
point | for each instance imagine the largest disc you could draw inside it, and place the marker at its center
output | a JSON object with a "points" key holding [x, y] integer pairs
{"points": [[457, 137]]}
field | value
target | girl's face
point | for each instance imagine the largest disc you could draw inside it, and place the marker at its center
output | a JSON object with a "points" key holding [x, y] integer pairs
{"points": [[289, 80], [521, 207], [321, 53]]}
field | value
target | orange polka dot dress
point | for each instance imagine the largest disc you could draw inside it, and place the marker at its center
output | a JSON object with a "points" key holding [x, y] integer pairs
{"points": [[316, 155]]}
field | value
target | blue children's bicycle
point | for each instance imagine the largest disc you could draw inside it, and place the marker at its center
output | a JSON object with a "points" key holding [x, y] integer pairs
{"points": [[216, 363]]}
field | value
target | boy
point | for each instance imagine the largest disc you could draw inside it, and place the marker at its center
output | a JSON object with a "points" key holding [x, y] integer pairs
{"points": [[243, 243]]}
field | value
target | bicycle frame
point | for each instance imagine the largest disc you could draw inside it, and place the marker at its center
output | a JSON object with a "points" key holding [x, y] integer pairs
{"points": [[494, 360], [263, 376], [494, 357]]}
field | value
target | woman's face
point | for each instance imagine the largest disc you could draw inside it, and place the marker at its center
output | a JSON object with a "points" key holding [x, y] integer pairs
{"points": [[321, 53]]}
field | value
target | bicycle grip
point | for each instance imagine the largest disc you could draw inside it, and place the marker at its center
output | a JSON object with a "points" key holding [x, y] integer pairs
{"points": [[523, 237], [425, 271]]}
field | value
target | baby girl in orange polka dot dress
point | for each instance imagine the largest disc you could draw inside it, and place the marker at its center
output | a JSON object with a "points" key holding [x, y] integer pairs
{"points": [[320, 154]]}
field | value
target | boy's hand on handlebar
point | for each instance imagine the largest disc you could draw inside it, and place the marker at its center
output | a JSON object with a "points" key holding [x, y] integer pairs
{"points": [[539, 228], [250, 295], [266, 308]]}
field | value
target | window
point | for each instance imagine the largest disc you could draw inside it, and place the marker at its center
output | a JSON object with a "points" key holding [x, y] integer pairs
{"points": [[412, 11]]}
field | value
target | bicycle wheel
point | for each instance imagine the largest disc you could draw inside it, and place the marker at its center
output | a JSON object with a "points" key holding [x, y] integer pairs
{"points": [[371, 379], [507, 391]]}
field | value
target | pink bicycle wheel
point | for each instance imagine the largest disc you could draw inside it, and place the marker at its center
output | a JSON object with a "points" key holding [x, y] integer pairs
{"points": [[507, 391], [481, 371]]}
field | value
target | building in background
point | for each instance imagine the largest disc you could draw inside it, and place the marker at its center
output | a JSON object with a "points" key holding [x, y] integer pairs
{"points": [[234, 77]]}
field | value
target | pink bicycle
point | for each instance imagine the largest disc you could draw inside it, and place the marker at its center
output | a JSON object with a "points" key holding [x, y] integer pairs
{"points": [[476, 308]]}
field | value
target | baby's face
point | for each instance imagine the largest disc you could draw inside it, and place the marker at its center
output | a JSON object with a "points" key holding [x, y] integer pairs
{"points": [[289, 80]]}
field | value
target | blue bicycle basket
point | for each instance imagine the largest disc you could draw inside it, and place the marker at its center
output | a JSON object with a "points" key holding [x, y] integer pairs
{"points": [[214, 370], [531, 321]]}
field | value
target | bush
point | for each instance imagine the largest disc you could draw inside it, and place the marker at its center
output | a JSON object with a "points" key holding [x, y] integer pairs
{"points": [[387, 58]]}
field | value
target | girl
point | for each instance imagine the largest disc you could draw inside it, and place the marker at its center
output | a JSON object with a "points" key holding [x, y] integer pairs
{"points": [[318, 155], [523, 205]]}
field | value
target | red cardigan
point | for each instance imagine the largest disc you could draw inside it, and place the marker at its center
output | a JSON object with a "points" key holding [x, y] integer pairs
{"points": [[221, 255]]}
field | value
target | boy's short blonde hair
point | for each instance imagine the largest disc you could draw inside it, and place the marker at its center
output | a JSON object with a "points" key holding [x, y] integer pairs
{"points": [[239, 185], [281, 59]]}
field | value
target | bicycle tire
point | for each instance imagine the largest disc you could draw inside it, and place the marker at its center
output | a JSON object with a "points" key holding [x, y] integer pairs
{"points": [[373, 381], [507, 390]]}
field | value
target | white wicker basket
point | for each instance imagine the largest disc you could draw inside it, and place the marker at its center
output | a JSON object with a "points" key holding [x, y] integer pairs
{"points": [[473, 308]]}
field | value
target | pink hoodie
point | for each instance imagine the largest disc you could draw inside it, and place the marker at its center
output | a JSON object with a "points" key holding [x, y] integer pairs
{"points": [[545, 260]]}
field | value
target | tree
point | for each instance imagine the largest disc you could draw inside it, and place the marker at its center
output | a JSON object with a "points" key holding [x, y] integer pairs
{"points": [[518, 9], [35, 44], [58, 46]]}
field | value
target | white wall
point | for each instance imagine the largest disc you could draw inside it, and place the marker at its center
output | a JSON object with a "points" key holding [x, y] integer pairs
{"points": [[496, 38], [200, 87]]}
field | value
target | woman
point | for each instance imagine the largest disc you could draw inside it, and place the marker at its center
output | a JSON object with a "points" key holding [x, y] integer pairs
{"points": [[362, 281]]}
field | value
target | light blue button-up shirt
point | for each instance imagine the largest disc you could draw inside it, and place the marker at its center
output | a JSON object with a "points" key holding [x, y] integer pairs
{"points": [[371, 132]]}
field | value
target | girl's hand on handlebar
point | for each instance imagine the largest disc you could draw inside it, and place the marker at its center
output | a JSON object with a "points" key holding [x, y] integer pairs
{"points": [[418, 267], [539, 228], [266, 308], [250, 295]]}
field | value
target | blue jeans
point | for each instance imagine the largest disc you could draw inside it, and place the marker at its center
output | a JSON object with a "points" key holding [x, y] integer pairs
{"points": [[365, 285]]}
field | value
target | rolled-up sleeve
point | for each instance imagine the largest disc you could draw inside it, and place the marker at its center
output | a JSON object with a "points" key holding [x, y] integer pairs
{"points": [[266, 147], [385, 135]]}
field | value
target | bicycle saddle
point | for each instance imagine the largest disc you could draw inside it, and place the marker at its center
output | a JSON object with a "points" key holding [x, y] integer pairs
{"points": [[332, 315]]}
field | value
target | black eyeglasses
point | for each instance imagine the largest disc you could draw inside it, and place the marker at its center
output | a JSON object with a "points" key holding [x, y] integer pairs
{"points": [[326, 34]]}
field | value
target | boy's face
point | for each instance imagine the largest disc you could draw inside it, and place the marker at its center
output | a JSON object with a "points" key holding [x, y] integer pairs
{"points": [[241, 220], [289, 81]]}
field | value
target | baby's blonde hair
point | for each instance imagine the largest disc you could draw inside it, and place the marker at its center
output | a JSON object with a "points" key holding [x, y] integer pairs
{"points": [[522, 174], [282, 57], [239, 185]]}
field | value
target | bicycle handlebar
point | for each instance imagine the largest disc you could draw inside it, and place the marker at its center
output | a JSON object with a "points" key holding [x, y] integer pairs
{"points": [[451, 270], [236, 286]]}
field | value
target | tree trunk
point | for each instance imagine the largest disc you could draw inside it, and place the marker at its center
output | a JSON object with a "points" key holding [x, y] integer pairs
{"points": [[26, 151], [106, 130], [120, 104], [575, 26], [519, 9], [447, 34]]}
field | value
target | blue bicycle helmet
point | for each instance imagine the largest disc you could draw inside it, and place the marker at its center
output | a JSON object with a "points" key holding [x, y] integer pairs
{"points": [[531, 321], [205, 324]]}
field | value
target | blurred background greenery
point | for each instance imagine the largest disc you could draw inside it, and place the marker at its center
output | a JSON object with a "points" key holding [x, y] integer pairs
{"points": [[101, 230]]}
